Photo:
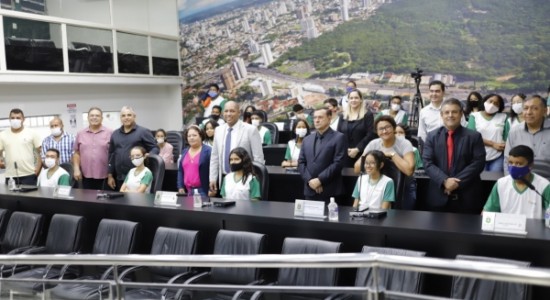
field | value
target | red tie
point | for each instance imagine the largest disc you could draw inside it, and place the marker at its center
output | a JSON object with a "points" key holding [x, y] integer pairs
{"points": [[450, 147]]}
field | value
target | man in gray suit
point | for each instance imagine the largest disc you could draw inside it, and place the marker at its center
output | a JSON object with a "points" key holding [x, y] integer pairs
{"points": [[234, 133]]}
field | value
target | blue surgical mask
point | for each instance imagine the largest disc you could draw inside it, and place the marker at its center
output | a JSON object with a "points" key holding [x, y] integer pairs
{"points": [[518, 172], [212, 94], [349, 89]]}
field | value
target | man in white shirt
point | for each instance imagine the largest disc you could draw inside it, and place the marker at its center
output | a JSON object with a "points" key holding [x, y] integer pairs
{"points": [[430, 116]]}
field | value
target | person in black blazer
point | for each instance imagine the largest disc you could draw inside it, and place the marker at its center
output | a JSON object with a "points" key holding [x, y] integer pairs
{"points": [[320, 160], [455, 189]]}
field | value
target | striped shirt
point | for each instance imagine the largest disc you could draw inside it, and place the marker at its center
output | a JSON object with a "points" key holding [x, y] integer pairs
{"points": [[64, 146]]}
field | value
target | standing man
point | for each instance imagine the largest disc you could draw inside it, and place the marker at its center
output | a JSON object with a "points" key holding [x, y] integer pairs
{"points": [[21, 146], [213, 98], [430, 117], [122, 141], [91, 152], [60, 140], [321, 159], [534, 134], [234, 133], [454, 156]]}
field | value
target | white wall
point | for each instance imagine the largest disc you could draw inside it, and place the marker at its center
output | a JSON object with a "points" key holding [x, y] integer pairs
{"points": [[96, 11], [156, 106]]}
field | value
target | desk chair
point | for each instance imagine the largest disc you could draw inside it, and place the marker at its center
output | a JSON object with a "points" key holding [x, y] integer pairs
{"points": [[69, 168], [175, 139], [155, 163], [263, 177], [274, 130], [481, 289], [167, 241], [399, 181], [23, 231]]}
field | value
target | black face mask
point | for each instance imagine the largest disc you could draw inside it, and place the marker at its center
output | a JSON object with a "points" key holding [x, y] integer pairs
{"points": [[236, 167], [215, 117]]}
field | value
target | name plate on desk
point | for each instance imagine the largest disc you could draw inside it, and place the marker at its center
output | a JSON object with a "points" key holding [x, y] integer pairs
{"points": [[62, 191], [308, 208], [504, 223], [166, 198]]}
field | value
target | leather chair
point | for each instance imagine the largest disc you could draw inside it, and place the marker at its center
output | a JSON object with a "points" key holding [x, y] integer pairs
{"points": [[388, 279], [167, 241], [4, 216], [112, 237], [69, 168], [229, 243], [399, 180], [306, 276], [474, 289], [263, 177], [155, 163], [175, 139], [23, 231], [64, 237], [274, 130]]}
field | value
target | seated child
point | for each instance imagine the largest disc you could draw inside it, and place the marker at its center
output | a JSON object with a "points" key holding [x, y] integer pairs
{"points": [[240, 184], [373, 190]]}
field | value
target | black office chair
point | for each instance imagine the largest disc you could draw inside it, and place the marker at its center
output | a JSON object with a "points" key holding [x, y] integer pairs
{"points": [[64, 237], [263, 113], [263, 177], [229, 243], [4, 216], [23, 231], [306, 276], [474, 289], [388, 279], [399, 181], [112, 237], [155, 163], [69, 168], [167, 241], [274, 130], [175, 139]]}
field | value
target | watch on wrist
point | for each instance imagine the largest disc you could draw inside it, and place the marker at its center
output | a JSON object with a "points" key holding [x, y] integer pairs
{"points": [[392, 154]]}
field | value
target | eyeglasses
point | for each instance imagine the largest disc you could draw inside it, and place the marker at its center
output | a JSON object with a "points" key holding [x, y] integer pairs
{"points": [[385, 128]]}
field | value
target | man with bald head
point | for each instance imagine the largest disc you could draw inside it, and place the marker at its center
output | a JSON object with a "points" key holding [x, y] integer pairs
{"points": [[234, 133], [535, 134], [122, 141], [60, 140]]}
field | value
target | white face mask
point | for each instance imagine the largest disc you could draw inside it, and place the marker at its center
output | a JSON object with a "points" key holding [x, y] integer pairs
{"points": [[517, 108], [160, 140], [49, 162], [400, 137], [15, 123], [490, 108], [301, 132], [138, 161], [256, 122], [56, 131], [395, 107]]}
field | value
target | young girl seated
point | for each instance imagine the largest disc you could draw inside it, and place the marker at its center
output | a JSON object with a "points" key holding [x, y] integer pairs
{"points": [[373, 190], [240, 184], [139, 178]]}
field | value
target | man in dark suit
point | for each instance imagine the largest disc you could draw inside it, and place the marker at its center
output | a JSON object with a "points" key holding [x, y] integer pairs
{"points": [[321, 159], [454, 156]]}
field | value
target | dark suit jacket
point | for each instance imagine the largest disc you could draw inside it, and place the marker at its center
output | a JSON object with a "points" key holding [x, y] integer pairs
{"points": [[358, 133], [468, 163], [326, 165], [204, 168]]}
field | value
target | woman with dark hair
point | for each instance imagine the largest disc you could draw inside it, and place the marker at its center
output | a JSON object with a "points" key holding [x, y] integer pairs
{"points": [[299, 131], [492, 123], [373, 190], [209, 129], [194, 166], [166, 150], [139, 179], [516, 116], [240, 183], [473, 104], [247, 114], [395, 111], [357, 125]]}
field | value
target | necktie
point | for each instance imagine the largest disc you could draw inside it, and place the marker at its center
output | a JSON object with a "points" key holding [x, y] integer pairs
{"points": [[450, 148], [227, 150]]}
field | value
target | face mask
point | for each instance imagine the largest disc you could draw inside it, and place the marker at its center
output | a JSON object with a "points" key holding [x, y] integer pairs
{"points": [[138, 161], [160, 140], [256, 123], [400, 137], [15, 123], [395, 107], [49, 162], [236, 167], [518, 172], [490, 108], [215, 117], [56, 131], [301, 132], [349, 89], [212, 94], [517, 108]]}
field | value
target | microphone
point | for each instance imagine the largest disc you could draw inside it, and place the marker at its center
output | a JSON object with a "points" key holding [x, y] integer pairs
{"points": [[532, 187], [101, 193], [17, 182]]}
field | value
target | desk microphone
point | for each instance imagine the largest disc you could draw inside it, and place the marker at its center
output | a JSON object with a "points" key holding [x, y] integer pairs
{"points": [[17, 182], [532, 187]]}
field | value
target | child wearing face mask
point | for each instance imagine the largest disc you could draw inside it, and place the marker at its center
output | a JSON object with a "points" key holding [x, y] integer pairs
{"points": [[514, 194], [53, 175], [240, 183], [166, 150], [300, 130], [399, 115], [256, 119], [139, 179]]}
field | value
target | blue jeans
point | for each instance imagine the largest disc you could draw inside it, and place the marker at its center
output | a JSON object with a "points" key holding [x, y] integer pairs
{"points": [[495, 165]]}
